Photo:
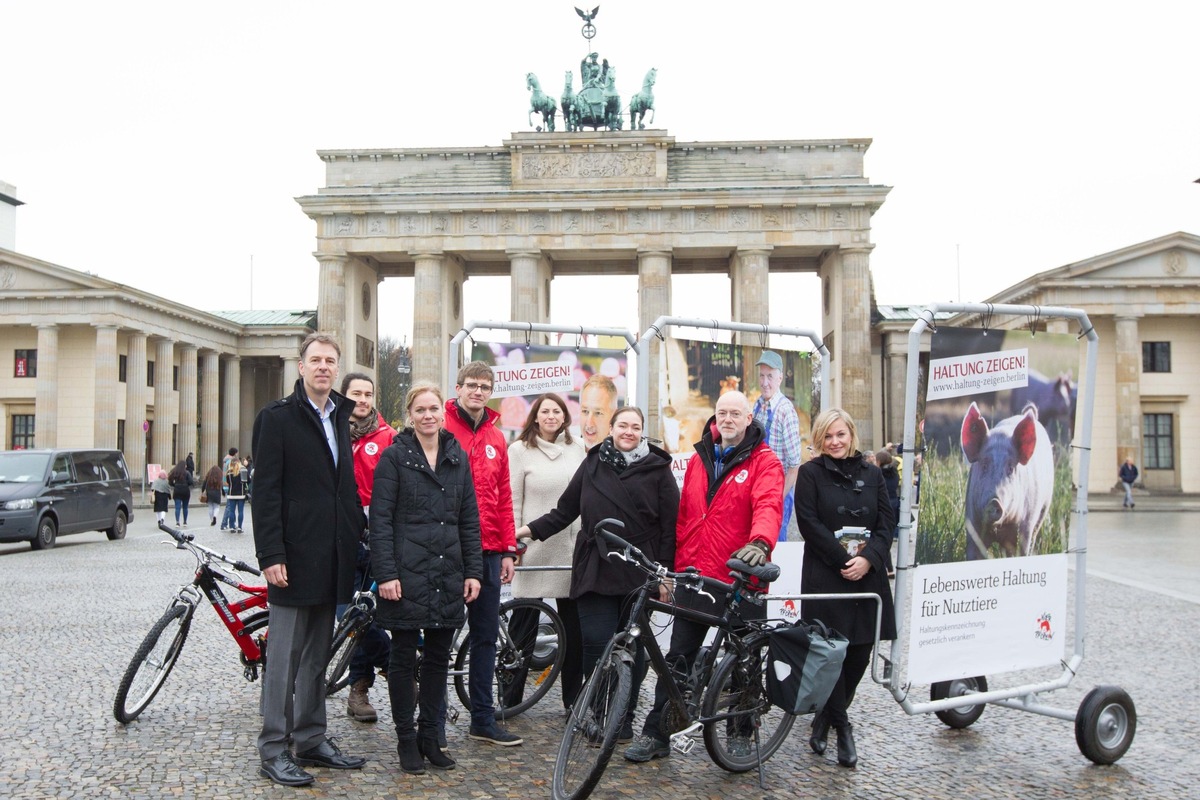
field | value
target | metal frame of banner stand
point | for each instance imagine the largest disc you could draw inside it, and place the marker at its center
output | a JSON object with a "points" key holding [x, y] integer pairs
{"points": [[528, 328], [1022, 698], [662, 323]]}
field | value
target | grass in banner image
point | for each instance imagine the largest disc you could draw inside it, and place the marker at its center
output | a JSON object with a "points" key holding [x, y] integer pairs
{"points": [[699, 372], [585, 363], [996, 480]]}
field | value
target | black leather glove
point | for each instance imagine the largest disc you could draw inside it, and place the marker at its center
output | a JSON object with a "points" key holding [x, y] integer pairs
{"points": [[753, 553]]}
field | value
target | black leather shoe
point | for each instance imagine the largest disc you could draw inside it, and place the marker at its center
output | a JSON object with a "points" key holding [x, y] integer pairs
{"points": [[327, 754], [283, 770], [820, 732], [410, 757], [428, 747], [847, 754]]}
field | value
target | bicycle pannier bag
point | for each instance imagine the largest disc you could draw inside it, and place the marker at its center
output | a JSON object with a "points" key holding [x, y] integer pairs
{"points": [[803, 664]]}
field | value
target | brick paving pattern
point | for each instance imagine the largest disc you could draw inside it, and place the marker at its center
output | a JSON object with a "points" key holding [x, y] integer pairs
{"points": [[73, 616]]}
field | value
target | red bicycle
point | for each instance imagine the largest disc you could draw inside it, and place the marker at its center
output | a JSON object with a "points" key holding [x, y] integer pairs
{"points": [[245, 619]]}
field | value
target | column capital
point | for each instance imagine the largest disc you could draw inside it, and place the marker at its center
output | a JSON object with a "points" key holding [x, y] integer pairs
{"points": [[47, 326], [427, 255], [319, 256], [105, 325], [650, 252], [1128, 316], [756, 250], [188, 347], [522, 252], [856, 249]]}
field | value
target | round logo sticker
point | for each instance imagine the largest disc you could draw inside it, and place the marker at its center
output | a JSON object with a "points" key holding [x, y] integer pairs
{"points": [[741, 476], [491, 451], [372, 448]]}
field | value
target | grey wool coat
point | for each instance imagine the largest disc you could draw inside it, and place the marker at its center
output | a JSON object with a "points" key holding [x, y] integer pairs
{"points": [[539, 475]]}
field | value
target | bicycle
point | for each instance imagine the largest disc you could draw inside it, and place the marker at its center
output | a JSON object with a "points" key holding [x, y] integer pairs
{"points": [[537, 656], [727, 699], [245, 619]]}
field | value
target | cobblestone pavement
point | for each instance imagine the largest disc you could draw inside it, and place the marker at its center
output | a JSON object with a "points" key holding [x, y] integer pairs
{"points": [[72, 617]]}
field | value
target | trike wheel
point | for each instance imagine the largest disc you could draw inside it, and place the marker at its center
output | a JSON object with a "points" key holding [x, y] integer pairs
{"points": [[960, 716], [152, 663], [738, 687], [1105, 724], [591, 733]]}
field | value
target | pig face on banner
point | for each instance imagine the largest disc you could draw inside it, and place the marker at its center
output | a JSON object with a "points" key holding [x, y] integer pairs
{"points": [[1010, 483]]}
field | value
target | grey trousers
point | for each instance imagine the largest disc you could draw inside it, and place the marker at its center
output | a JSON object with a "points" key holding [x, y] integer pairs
{"points": [[293, 690]]}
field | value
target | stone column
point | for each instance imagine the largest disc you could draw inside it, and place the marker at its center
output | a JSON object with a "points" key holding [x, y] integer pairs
{"points": [[750, 294], [231, 406], [331, 300], [249, 406], [437, 313], [529, 300], [164, 407], [135, 407], [291, 371], [1128, 390], [210, 409], [654, 301], [896, 348], [46, 408], [105, 431], [189, 402], [854, 357]]}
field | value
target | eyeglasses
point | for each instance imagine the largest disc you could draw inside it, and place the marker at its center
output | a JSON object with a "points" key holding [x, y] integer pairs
{"points": [[472, 386]]}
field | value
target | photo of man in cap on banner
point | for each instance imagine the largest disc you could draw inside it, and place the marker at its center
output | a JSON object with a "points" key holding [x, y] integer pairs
{"points": [[777, 416]]}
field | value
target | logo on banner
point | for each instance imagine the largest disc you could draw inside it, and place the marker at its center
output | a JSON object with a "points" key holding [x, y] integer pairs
{"points": [[789, 610], [490, 451], [1043, 630], [371, 448], [741, 476]]}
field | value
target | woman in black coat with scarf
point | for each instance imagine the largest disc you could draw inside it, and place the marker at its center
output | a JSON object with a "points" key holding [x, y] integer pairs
{"points": [[839, 489], [428, 562], [626, 478]]}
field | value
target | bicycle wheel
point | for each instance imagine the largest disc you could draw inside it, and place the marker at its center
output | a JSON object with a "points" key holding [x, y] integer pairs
{"points": [[737, 691], [152, 662], [345, 643], [518, 682], [591, 733]]}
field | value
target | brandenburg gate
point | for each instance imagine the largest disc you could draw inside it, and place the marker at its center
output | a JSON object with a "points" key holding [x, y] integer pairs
{"points": [[544, 204]]}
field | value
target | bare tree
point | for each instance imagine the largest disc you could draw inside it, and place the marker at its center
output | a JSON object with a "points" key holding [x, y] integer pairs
{"points": [[394, 377]]}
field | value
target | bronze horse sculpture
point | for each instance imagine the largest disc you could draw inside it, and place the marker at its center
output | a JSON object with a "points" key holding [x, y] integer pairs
{"points": [[642, 102], [540, 102], [568, 102]]}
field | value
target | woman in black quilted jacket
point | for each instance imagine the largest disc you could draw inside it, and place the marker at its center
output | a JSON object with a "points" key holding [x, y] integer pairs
{"points": [[428, 562]]}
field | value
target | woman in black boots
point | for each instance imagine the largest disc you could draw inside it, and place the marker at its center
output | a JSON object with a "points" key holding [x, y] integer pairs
{"points": [[428, 562], [837, 490]]}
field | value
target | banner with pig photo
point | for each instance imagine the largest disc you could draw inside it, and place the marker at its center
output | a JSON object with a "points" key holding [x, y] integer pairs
{"points": [[990, 587], [592, 380]]}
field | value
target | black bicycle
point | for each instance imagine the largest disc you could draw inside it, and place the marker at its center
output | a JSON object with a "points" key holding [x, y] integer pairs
{"points": [[726, 698], [525, 669]]}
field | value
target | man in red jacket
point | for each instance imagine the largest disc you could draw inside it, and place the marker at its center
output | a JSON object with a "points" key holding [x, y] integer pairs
{"points": [[730, 507], [370, 435], [474, 425]]}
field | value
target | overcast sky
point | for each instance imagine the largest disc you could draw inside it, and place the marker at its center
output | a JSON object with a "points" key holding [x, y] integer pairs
{"points": [[162, 145]]}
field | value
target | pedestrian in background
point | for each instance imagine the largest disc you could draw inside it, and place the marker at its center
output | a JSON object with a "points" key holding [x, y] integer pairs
{"points": [[181, 482], [214, 485], [1128, 473], [235, 502], [162, 495]]}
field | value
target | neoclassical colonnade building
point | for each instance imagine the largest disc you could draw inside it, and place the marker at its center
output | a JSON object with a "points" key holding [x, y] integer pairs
{"points": [[636, 202]]}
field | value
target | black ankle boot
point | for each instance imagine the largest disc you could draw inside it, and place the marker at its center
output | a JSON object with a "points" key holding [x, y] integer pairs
{"points": [[410, 757], [428, 746], [847, 754], [820, 732]]}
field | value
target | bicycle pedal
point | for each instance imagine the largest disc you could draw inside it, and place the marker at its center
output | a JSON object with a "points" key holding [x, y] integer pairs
{"points": [[682, 741]]}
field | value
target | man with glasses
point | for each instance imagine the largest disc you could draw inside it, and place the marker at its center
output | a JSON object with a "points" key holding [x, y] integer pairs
{"points": [[474, 425], [729, 508]]}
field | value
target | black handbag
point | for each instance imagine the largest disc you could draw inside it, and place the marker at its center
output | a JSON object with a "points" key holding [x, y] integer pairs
{"points": [[804, 662]]}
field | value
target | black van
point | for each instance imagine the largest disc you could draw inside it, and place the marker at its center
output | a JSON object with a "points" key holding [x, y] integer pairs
{"points": [[44, 493]]}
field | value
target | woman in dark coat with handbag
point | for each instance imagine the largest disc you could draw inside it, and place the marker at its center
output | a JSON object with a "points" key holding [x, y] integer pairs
{"points": [[428, 561], [838, 489], [626, 478]]}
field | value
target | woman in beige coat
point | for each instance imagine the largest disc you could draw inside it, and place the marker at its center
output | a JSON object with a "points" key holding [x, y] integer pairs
{"points": [[541, 463]]}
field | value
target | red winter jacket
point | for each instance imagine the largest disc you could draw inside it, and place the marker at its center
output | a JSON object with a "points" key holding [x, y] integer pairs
{"points": [[487, 453], [367, 452], [746, 505]]}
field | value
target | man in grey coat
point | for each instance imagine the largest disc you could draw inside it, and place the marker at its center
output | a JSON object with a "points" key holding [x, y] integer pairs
{"points": [[307, 520]]}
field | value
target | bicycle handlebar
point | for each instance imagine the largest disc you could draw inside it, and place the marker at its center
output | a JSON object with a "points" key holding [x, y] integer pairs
{"points": [[690, 578], [187, 540]]}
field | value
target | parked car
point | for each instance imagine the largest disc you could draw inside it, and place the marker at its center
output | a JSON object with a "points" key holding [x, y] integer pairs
{"points": [[44, 493]]}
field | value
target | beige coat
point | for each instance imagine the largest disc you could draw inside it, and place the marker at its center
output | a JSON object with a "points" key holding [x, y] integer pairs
{"points": [[539, 475]]}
